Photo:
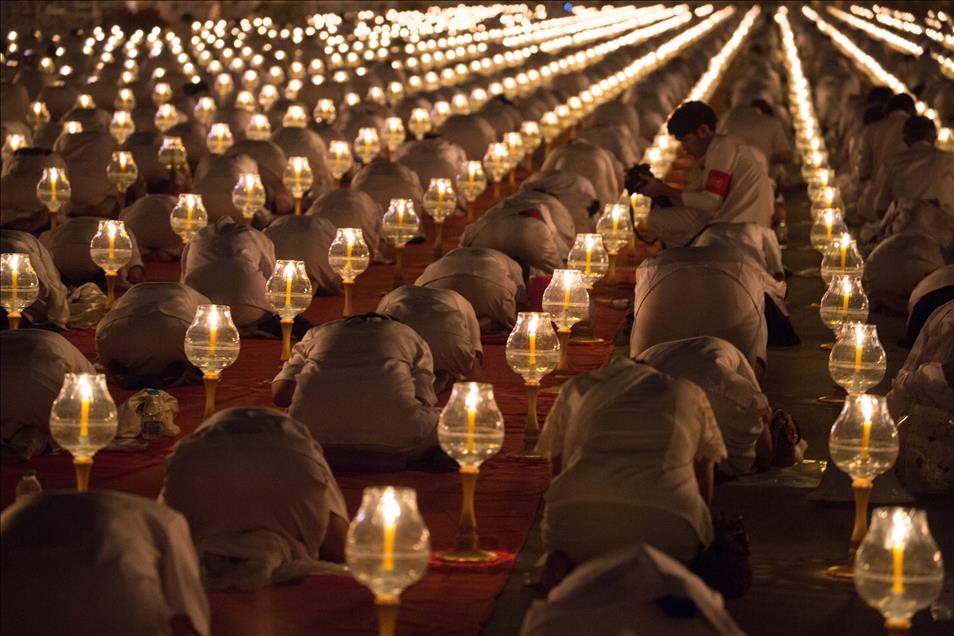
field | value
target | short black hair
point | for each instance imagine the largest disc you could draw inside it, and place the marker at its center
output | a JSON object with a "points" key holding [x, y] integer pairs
{"points": [[763, 106], [901, 101], [874, 112], [879, 95], [688, 117], [919, 128]]}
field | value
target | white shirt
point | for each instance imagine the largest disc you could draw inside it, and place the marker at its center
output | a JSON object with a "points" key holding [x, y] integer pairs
{"points": [[919, 172], [922, 379], [762, 132], [523, 231]]}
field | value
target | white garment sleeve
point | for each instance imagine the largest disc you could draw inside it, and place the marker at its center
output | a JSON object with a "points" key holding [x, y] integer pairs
{"points": [[296, 361], [720, 159]]}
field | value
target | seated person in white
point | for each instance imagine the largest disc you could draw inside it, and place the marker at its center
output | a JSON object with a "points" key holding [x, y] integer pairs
{"points": [[432, 158], [896, 265], [921, 216], [25, 417], [271, 162], [447, 323], [345, 207], [574, 191], [98, 563], [641, 470], [261, 502], [614, 139], [148, 219], [592, 162], [87, 154], [701, 291], [634, 590], [491, 281], [735, 188], [215, 178], [559, 215], [616, 112], [20, 209], [921, 171], [383, 181], [304, 142], [364, 386], [140, 340], [69, 244], [878, 145], [524, 232], [923, 392], [757, 126], [473, 133], [51, 306], [934, 290], [307, 238], [230, 263]]}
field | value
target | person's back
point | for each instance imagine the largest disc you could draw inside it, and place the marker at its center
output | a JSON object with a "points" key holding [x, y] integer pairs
{"points": [[148, 219], [759, 130], [920, 171], [522, 231], [98, 563]]}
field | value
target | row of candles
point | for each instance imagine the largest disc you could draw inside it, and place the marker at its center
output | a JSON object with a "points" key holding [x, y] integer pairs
{"points": [[896, 565]]}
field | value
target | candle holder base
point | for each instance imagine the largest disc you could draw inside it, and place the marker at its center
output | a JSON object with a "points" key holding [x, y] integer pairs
{"points": [[287, 325], [897, 627], [387, 609], [843, 572], [83, 467], [462, 554], [13, 320]]}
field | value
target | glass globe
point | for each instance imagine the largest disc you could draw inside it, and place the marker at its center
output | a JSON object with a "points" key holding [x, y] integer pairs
{"points": [[641, 205], [376, 95], [244, 100], [351, 99], [864, 440], [288, 290], [258, 128], [110, 248], [419, 123], [459, 104], [188, 216], [400, 223], [223, 86], [440, 199], [161, 93], [532, 347], [212, 341], [248, 195], [367, 145], [72, 128], [472, 181], [898, 568], [83, 420], [388, 546], [267, 97], [842, 258], [172, 153], [844, 301], [497, 161], [393, 133], [828, 225], [19, 285], [339, 159], [166, 117], [589, 257], [325, 112], [532, 137], [615, 226], [395, 92], [205, 110], [471, 427], [250, 80], [549, 126], [122, 170], [566, 299], [825, 197], [11, 144], [515, 147], [295, 117], [298, 178], [125, 99], [37, 116], [53, 189], [122, 126], [440, 113], [857, 359], [219, 139], [478, 97], [348, 255]]}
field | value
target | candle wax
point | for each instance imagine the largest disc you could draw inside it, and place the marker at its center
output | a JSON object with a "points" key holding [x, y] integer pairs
{"points": [[858, 358], [112, 244], [213, 333], [897, 551], [844, 254], [471, 427], [389, 530], [13, 277], [288, 289], [844, 309], [589, 254], [533, 348], [84, 417], [865, 439]]}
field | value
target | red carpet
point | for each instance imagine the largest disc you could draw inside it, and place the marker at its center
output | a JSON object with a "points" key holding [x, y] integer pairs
{"points": [[450, 599]]}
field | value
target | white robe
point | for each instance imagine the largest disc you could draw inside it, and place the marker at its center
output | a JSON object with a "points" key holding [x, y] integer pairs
{"points": [[129, 570], [473, 133], [20, 209], [383, 181], [618, 594], [148, 219], [215, 178], [574, 191], [616, 112], [432, 159], [87, 156], [920, 171], [524, 232], [254, 486], [592, 162], [632, 479], [302, 142], [52, 304], [307, 238], [271, 162], [345, 207], [898, 264], [365, 383], [695, 291]]}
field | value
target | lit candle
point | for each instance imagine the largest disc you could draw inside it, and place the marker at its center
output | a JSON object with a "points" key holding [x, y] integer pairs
{"points": [[213, 329], [14, 264], [866, 432], [859, 343], [615, 214], [471, 174], [86, 396], [897, 552], [533, 340], [471, 402], [846, 290], [54, 175], [844, 250], [189, 205], [391, 511], [589, 252], [111, 230], [349, 237], [829, 220]]}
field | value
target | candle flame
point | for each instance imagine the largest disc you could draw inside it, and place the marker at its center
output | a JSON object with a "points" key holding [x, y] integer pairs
{"points": [[214, 317], [900, 527], [85, 389], [534, 320], [390, 508], [472, 398], [867, 407]]}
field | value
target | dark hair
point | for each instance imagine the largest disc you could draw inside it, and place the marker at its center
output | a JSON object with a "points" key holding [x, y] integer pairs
{"points": [[873, 113], [901, 101], [763, 106], [879, 94], [687, 118], [918, 128]]}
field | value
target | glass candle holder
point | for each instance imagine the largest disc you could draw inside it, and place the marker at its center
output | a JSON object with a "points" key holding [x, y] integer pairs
{"points": [[325, 112], [348, 256], [250, 80], [288, 290], [844, 301], [419, 123], [11, 144], [71, 128], [351, 99], [166, 117], [515, 153], [188, 216], [842, 258], [375, 95], [245, 100], [367, 145], [110, 249], [471, 430], [122, 170], [53, 190], [459, 104], [161, 93], [439, 202], [641, 205], [394, 134], [267, 97], [19, 285], [532, 138], [898, 568], [258, 128], [339, 159], [828, 225], [37, 116], [395, 92], [857, 359], [298, 179], [212, 344], [172, 154], [567, 302], [440, 113], [219, 139], [589, 257], [248, 195], [616, 228], [387, 548], [496, 164], [864, 444], [533, 351], [83, 420], [399, 225], [549, 129], [295, 117], [125, 99], [472, 182], [205, 110]]}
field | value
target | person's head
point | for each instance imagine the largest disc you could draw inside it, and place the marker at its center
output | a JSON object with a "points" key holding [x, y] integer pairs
{"points": [[918, 128], [693, 124], [873, 112], [902, 102], [879, 95], [763, 106]]}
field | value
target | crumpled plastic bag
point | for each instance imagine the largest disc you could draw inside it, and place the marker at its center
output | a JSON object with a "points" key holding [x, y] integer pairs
{"points": [[130, 414], [87, 306]]}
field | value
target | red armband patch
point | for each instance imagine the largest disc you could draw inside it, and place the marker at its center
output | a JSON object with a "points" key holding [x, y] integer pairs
{"points": [[718, 182]]}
